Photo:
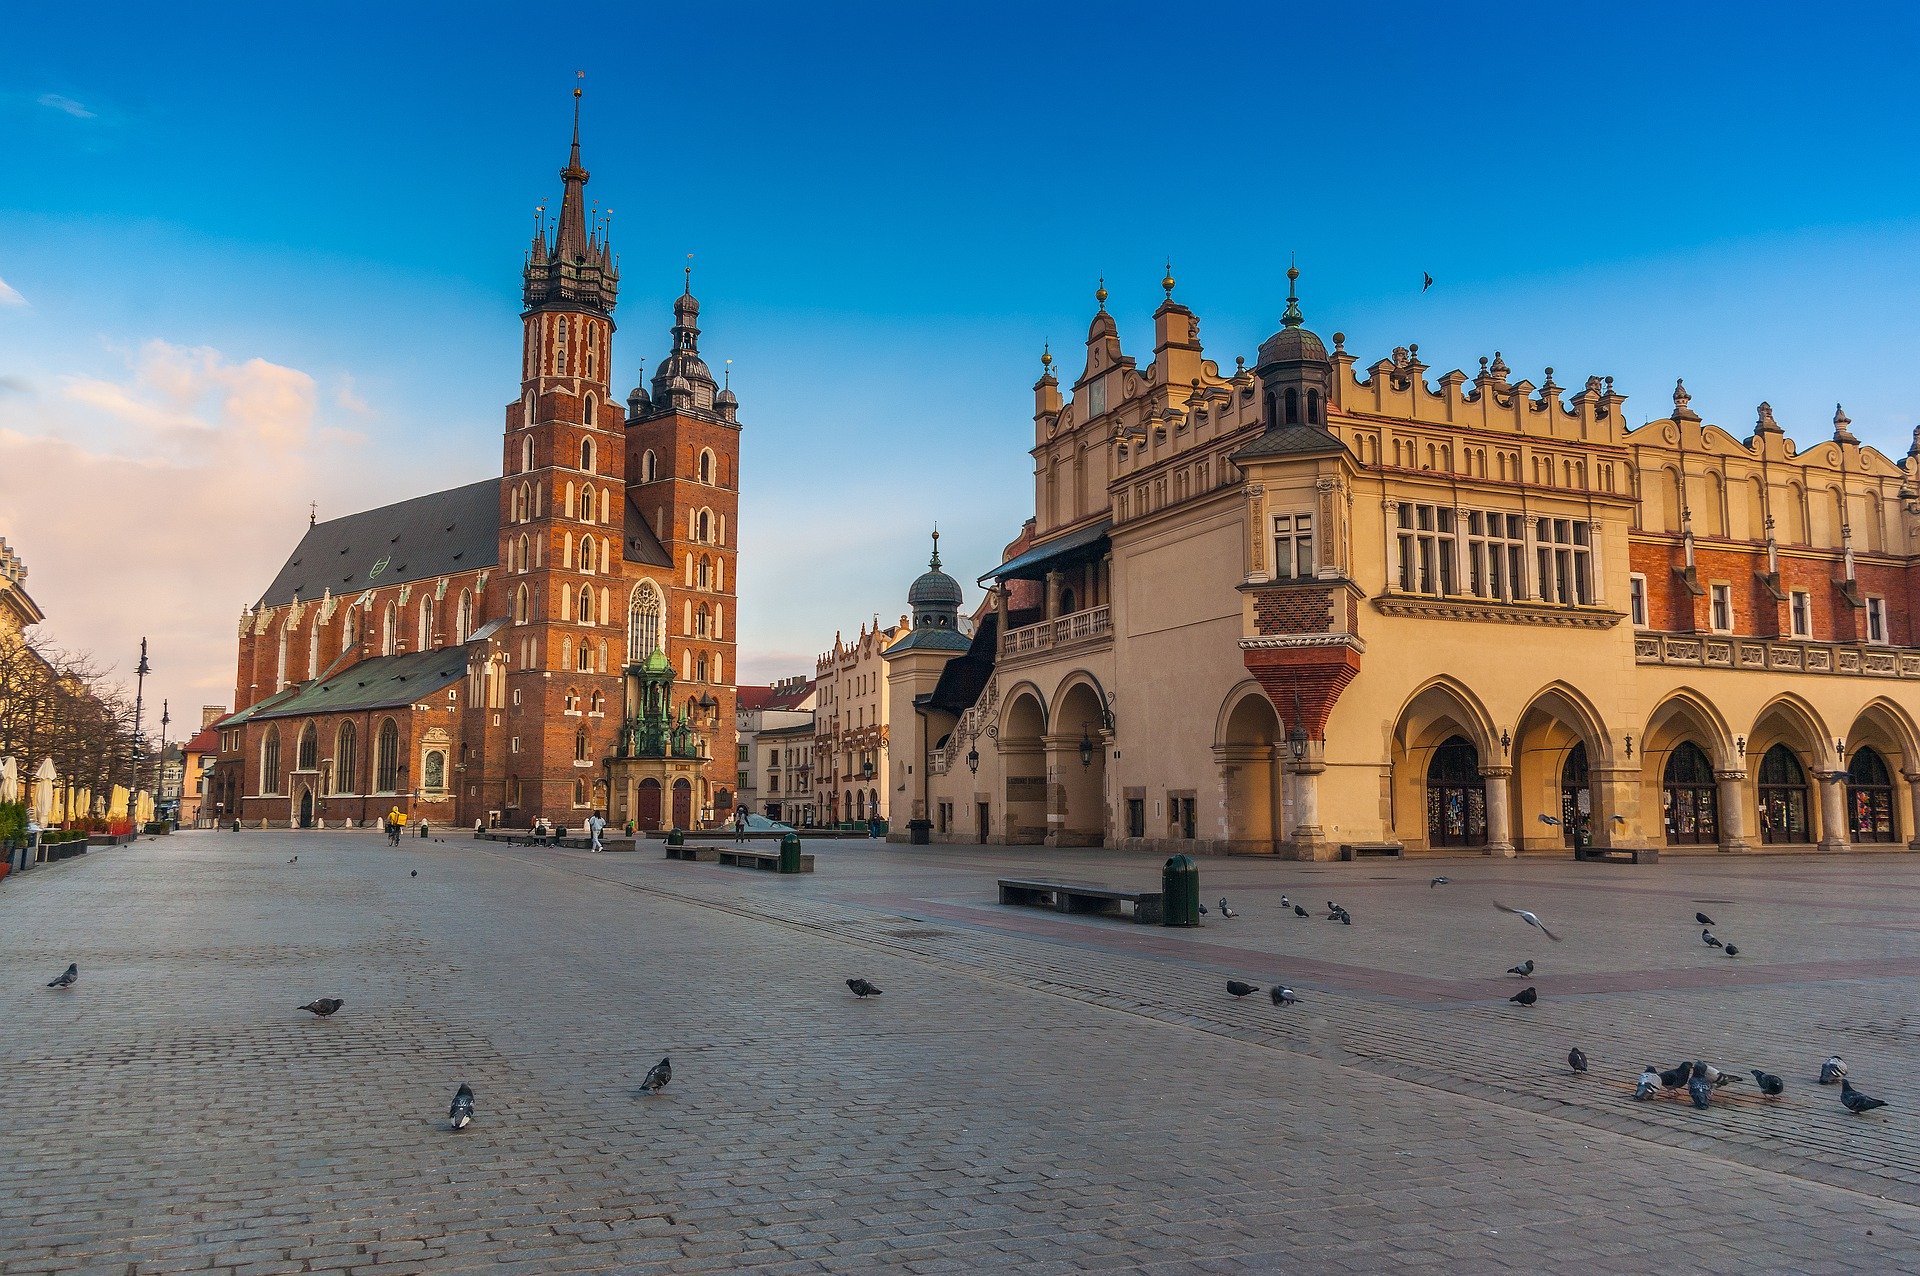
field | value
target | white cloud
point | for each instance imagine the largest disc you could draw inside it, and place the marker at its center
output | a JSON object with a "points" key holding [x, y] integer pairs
{"points": [[10, 296], [67, 105]]}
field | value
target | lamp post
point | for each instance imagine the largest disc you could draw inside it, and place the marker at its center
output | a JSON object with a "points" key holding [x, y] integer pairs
{"points": [[140, 673]]}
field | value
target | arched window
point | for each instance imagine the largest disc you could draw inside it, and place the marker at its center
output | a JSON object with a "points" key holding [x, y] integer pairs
{"points": [[580, 745], [1870, 798], [643, 622], [520, 606], [1293, 406], [586, 455], [465, 630], [390, 630], [560, 347], [346, 758], [306, 757], [706, 465], [1783, 797], [1690, 800], [1456, 795], [386, 757], [649, 466], [270, 761], [426, 623], [586, 504], [526, 463], [584, 611]]}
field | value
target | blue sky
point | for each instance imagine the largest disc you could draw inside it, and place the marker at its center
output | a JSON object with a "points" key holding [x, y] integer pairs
{"points": [[215, 221]]}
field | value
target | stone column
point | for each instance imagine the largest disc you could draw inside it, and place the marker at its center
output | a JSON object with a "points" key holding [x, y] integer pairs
{"points": [[1732, 812], [1833, 811], [1913, 808], [1499, 812]]}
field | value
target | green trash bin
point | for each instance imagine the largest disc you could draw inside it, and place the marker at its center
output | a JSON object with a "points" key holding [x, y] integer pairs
{"points": [[790, 854], [676, 838], [1180, 892]]}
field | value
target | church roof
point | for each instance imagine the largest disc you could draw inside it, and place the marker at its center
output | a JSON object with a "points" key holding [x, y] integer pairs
{"points": [[433, 535], [382, 682]]}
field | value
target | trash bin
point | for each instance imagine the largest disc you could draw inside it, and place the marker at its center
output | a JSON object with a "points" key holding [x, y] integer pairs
{"points": [[676, 838], [790, 853], [1180, 892]]}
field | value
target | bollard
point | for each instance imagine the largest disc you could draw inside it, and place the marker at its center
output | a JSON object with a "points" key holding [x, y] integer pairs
{"points": [[676, 838], [790, 853], [1180, 892]]}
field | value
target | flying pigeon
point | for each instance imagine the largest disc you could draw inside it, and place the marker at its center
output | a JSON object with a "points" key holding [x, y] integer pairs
{"points": [[1239, 989], [1299, 911], [1526, 996], [1438, 881], [1548, 819], [657, 1077], [324, 1007], [1771, 1086], [1834, 1069], [1224, 910], [1699, 1089], [1577, 1059], [1856, 1101], [462, 1110], [1529, 919], [1706, 937], [1649, 1082], [863, 988], [68, 977], [1703, 919], [1524, 969], [1675, 1078], [1429, 281], [1733, 950], [1284, 996]]}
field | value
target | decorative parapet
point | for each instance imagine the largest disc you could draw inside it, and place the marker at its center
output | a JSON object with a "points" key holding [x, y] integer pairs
{"points": [[1481, 609], [1763, 655]]}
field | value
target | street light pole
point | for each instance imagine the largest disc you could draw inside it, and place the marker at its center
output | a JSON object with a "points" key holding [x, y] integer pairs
{"points": [[139, 690]]}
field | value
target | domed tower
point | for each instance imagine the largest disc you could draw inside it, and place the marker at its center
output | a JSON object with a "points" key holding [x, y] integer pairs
{"points": [[1296, 377]]}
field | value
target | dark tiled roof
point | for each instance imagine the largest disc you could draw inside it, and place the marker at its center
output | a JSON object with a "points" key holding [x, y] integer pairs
{"points": [[643, 545], [433, 535], [382, 682], [1292, 440], [1025, 565]]}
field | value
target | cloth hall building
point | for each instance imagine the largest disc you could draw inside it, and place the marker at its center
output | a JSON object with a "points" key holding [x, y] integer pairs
{"points": [[1304, 604], [545, 643]]}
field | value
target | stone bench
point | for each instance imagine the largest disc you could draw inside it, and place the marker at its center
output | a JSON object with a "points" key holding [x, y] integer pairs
{"points": [[1079, 897], [769, 861]]}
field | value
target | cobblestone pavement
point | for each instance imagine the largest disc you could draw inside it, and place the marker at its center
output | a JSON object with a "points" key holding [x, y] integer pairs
{"points": [[1033, 1091]]}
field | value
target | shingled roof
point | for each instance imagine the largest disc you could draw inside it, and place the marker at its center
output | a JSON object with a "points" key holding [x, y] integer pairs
{"points": [[433, 535]]}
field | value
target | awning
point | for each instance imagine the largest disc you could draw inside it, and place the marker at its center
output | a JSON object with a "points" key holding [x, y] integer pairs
{"points": [[1033, 564]]}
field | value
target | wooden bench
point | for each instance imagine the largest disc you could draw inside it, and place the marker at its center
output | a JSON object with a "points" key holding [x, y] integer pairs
{"points": [[767, 860], [689, 851], [1385, 850], [1078, 897]]}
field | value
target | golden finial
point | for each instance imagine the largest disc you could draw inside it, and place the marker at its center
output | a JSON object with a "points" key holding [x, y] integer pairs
{"points": [[1100, 294], [1167, 283]]}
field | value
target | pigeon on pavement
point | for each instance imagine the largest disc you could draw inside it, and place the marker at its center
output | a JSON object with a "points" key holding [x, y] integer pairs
{"points": [[1834, 1069], [1526, 996], [462, 1110], [1771, 1086], [1524, 969], [324, 1007], [1438, 881], [68, 977], [1706, 937], [1241, 989], [1224, 910], [863, 988], [1529, 918], [1703, 919], [1577, 1059], [1649, 1082], [1284, 996], [657, 1077], [1675, 1078], [1699, 1089], [1857, 1102]]}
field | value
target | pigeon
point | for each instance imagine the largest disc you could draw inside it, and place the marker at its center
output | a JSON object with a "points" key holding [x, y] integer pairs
{"points": [[1548, 819], [1224, 910], [462, 1110], [1834, 1069], [657, 1077], [863, 987], [1429, 281], [1438, 881], [1699, 1089], [1675, 1078], [1524, 969], [1239, 989], [324, 1007], [1529, 919], [1284, 996], [1703, 919], [1706, 937], [68, 977], [1732, 950], [1526, 996], [1299, 911], [1577, 1059], [1771, 1086], [1649, 1082], [1856, 1101]]}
